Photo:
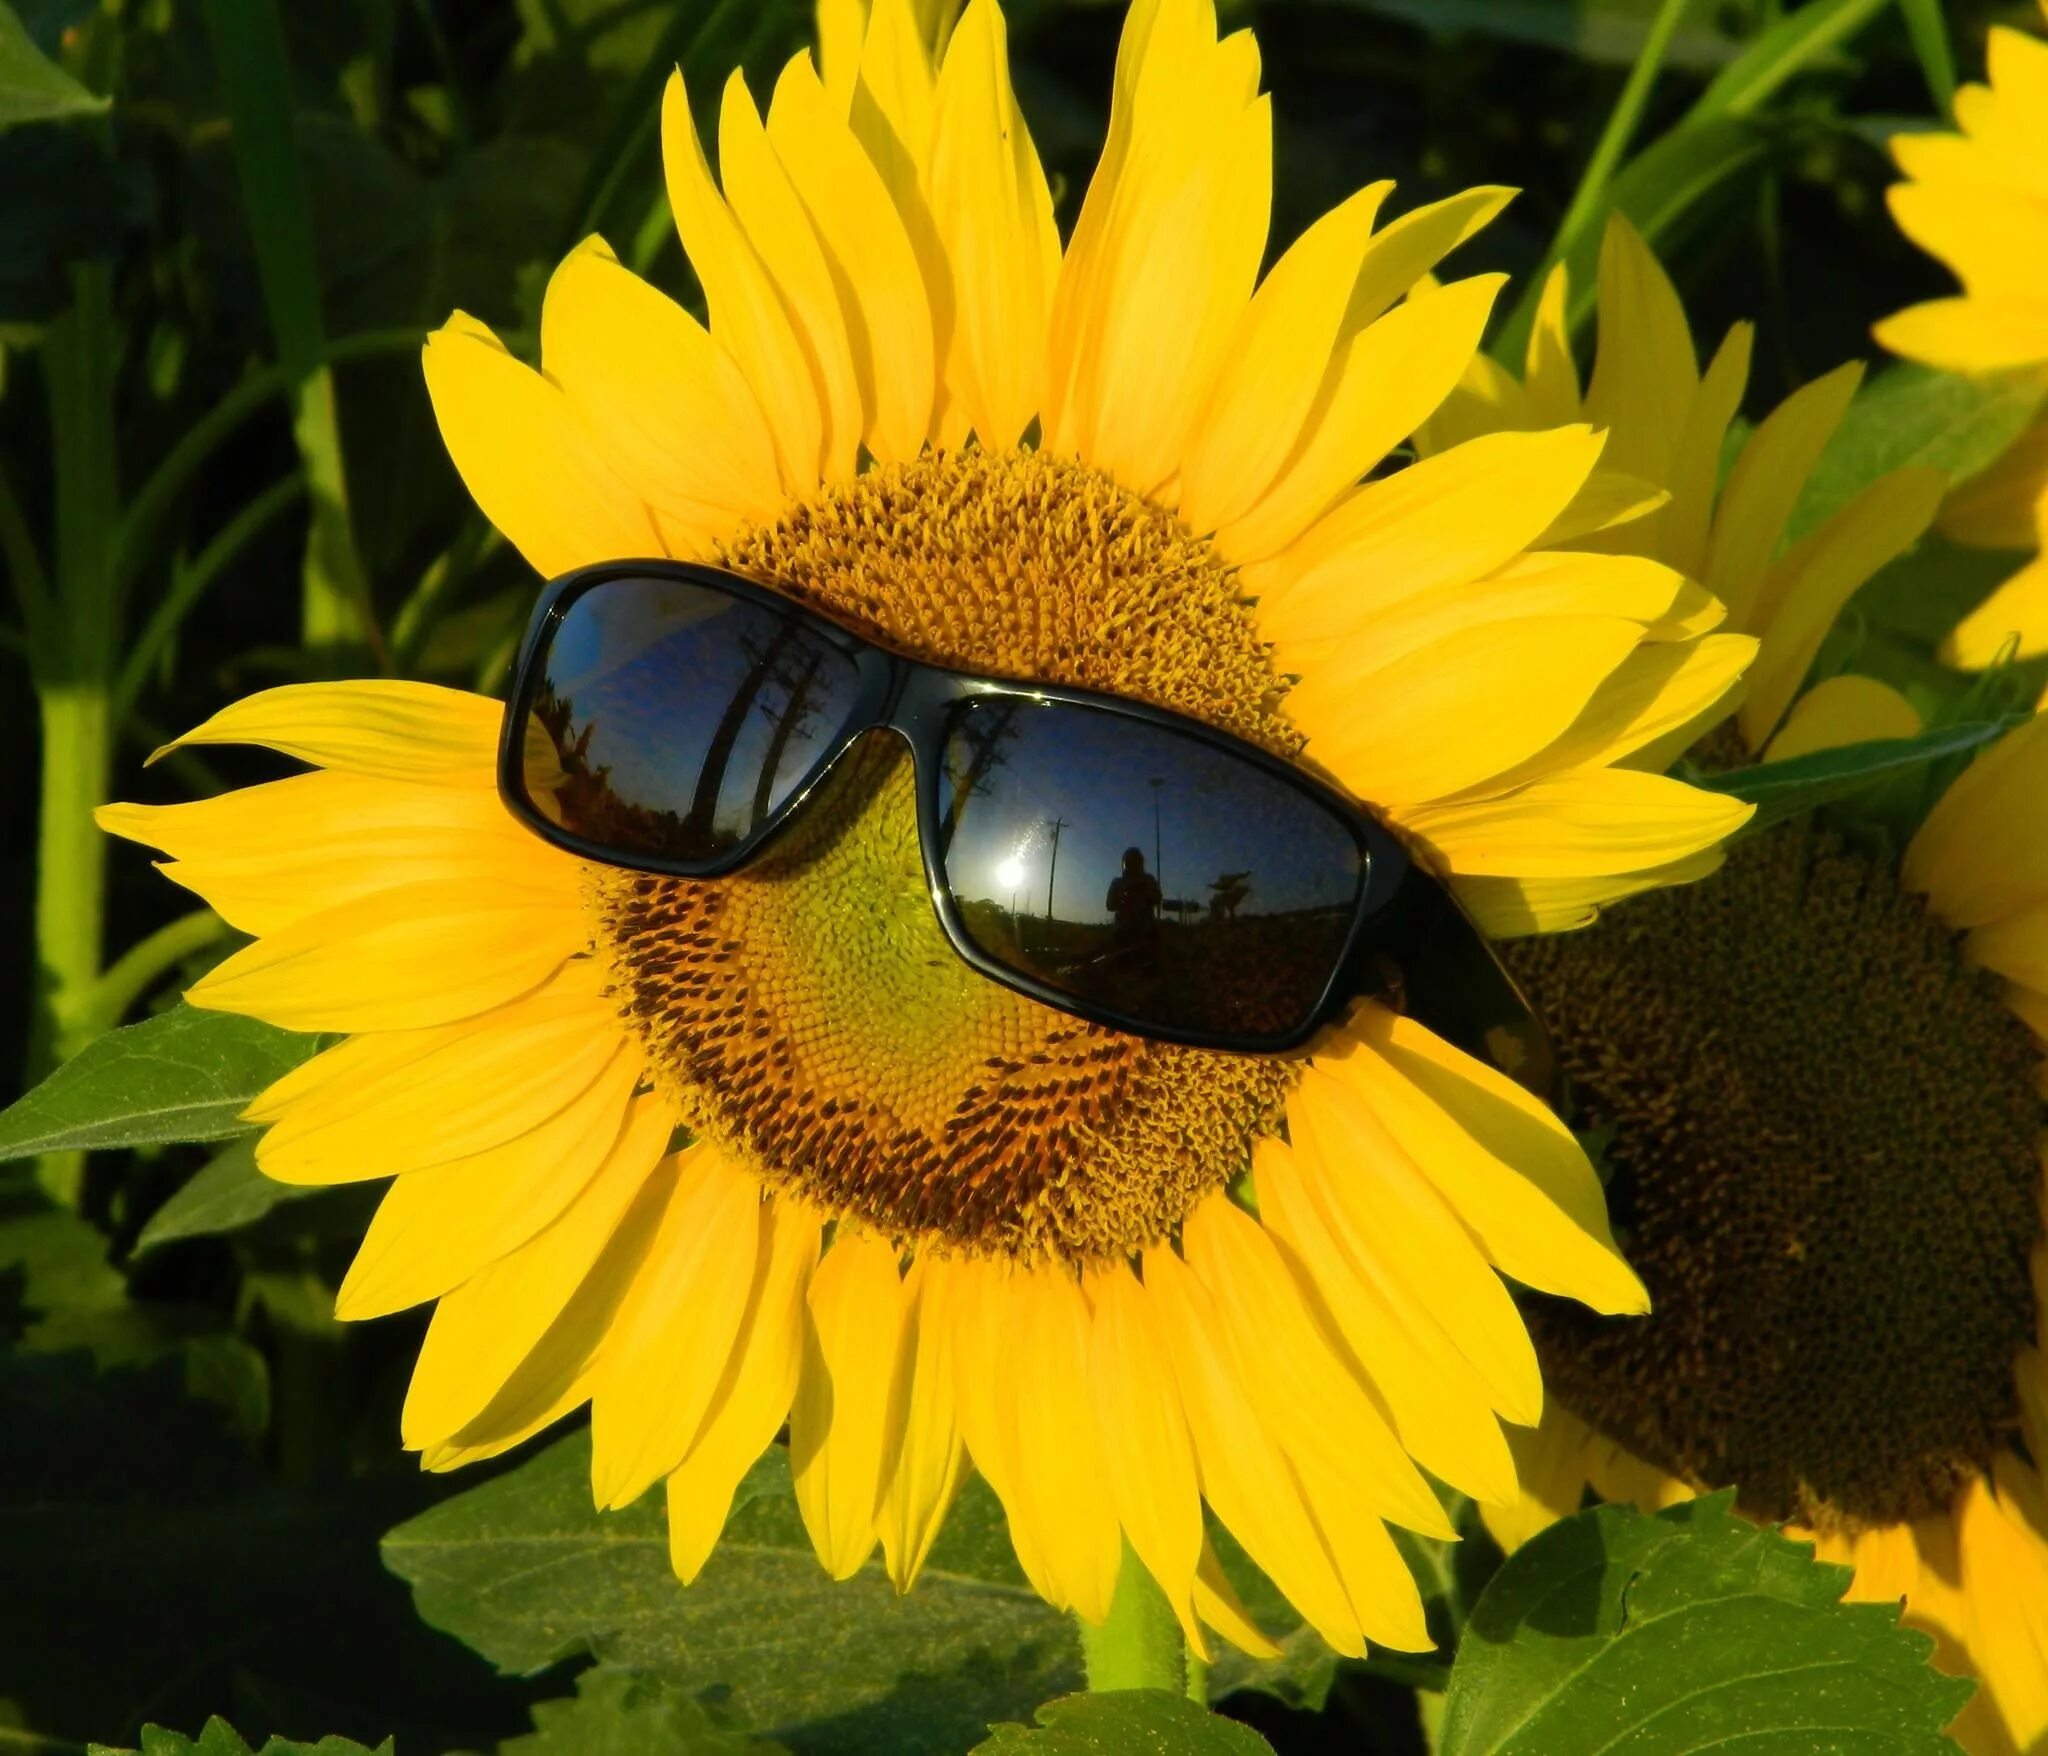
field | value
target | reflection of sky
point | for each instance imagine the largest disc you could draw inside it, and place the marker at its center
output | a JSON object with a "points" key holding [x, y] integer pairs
{"points": [[1093, 771], [652, 666]]}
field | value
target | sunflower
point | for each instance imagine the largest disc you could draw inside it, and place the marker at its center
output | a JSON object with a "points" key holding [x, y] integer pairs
{"points": [[1979, 201], [1819, 1080], [920, 1219], [1666, 495]]}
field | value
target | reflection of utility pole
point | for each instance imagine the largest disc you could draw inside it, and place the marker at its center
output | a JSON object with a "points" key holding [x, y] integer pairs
{"points": [[1157, 784], [1052, 867]]}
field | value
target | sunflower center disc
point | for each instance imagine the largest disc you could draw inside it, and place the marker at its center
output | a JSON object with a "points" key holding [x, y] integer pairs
{"points": [[1825, 1158], [809, 1013]]}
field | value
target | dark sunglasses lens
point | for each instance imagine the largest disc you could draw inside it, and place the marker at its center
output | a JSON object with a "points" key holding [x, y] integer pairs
{"points": [[670, 719], [1144, 870]]}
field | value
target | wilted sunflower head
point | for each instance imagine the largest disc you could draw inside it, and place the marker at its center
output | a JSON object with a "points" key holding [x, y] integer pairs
{"points": [[920, 1217]]}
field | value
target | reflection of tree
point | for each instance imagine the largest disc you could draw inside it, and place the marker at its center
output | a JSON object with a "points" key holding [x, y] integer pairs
{"points": [[984, 732], [1227, 892], [798, 683], [700, 822]]}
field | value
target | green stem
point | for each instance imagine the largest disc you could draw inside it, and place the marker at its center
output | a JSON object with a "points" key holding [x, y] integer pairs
{"points": [[1139, 1644], [139, 968], [1590, 198], [71, 884], [72, 686]]}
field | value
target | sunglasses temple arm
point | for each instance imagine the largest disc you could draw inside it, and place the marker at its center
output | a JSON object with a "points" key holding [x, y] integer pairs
{"points": [[1427, 958]]}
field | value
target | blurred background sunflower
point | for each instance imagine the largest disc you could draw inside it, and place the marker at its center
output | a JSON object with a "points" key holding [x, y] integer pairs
{"points": [[230, 231]]}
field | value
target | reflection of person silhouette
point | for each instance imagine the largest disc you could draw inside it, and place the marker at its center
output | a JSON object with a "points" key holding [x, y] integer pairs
{"points": [[1133, 901]]}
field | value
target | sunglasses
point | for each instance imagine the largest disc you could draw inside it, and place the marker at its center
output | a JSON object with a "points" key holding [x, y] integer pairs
{"points": [[1132, 867]]}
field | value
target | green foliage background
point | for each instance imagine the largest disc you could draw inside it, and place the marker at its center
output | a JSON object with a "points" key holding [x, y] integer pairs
{"points": [[224, 227]]}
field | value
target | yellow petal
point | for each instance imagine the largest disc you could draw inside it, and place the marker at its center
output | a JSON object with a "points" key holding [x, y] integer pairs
{"points": [[1994, 240], [1062, 1489], [1275, 365], [1245, 1478], [531, 469], [2011, 623], [1508, 1167], [439, 1227], [973, 1298], [266, 856], [1813, 579], [1355, 1175], [1376, 1579], [423, 954], [665, 404], [1843, 710], [1695, 480], [1165, 251], [1324, 1418], [838, 1423], [2015, 947], [993, 211], [1983, 850], [880, 286], [1609, 498], [1437, 1402], [1439, 523], [1460, 710], [764, 200], [1383, 384], [517, 1333], [754, 1394], [2002, 1542], [1508, 908], [1652, 692], [2004, 506], [382, 727], [1644, 373], [748, 315], [922, 1452], [1968, 335], [1591, 821], [1552, 1480], [1146, 1451], [1216, 1602], [674, 1335], [1763, 487]]}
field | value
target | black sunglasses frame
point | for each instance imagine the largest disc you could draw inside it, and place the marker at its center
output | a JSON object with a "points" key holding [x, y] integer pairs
{"points": [[1408, 937]]}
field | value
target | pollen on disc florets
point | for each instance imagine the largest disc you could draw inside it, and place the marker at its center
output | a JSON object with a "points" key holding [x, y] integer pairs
{"points": [[808, 1011], [1826, 1139]]}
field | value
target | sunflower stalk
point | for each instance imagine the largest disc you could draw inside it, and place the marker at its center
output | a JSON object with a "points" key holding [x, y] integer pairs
{"points": [[73, 688], [1139, 1644]]}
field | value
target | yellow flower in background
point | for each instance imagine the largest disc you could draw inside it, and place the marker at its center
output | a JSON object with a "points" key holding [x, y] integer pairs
{"points": [[1978, 200], [1661, 493], [921, 1218], [1818, 1075]]}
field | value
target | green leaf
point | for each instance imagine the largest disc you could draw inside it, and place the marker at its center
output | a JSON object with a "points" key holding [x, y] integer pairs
{"points": [[616, 1713], [183, 1075], [1786, 789], [1915, 415], [1128, 1722], [1803, 38], [525, 1572], [1685, 1631], [223, 1195], [33, 88], [218, 1738], [1593, 30]]}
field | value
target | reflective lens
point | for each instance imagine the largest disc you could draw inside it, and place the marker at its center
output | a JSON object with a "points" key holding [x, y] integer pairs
{"points": [[1143, 870], [671, 720]]}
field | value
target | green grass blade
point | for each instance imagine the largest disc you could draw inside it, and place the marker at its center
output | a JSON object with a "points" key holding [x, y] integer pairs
{"points": [[1931, 45], [255, 77]]}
